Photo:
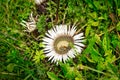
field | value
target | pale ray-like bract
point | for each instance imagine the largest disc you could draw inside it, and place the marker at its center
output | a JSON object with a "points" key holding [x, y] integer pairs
{"points": [[61, 43]]}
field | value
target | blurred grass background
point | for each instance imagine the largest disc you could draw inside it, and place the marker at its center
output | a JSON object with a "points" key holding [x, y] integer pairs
{"points": [[21, 54]]}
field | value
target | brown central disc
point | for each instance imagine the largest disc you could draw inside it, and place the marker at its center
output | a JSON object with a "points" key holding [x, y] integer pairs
{"points": [[62, 44]]}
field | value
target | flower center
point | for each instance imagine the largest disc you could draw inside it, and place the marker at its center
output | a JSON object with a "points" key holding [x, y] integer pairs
{"points": [[62, 44]]}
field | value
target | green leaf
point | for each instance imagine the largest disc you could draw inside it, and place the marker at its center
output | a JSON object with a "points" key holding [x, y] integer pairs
{"points": [[41, 23], [69, 72], [113, 68], [91, 4], [95, 57], [87, 31], [118, 26], [95, 23], [89, 59], [94, 51], [108, 53], [93, 15], [52, 76], [90, 45], [98, 41], [38, 56], [105, 42], [10, 67], [79, 78], [95, 54], [101, 66], [64, 68], [110, 58], [118, 12]]}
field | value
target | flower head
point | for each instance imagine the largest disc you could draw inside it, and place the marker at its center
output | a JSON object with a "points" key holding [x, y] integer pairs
{"points": [[31, 25], [61, 43], [39, 1]]}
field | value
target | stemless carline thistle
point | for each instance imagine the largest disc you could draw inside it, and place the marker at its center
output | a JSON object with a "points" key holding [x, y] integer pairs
{"points": [[61, 43]]}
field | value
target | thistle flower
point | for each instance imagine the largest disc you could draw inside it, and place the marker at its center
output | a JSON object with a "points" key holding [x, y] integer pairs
{"points": [[61, 43], [39, 1], [30, 25]]}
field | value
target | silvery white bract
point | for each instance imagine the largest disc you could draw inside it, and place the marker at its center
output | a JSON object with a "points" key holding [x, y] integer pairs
{"points": [[61, 43]]}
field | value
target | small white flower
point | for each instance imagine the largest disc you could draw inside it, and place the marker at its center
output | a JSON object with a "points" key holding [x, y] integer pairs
{"points": [[39, 1], [31, 25], [61, 43]]}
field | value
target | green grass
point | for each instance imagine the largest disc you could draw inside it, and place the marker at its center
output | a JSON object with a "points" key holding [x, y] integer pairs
{"points": [[21, 53]]}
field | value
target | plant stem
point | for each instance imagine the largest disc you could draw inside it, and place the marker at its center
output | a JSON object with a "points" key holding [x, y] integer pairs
{"points": [[5, 73], [58, 3], [92, 69]]}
